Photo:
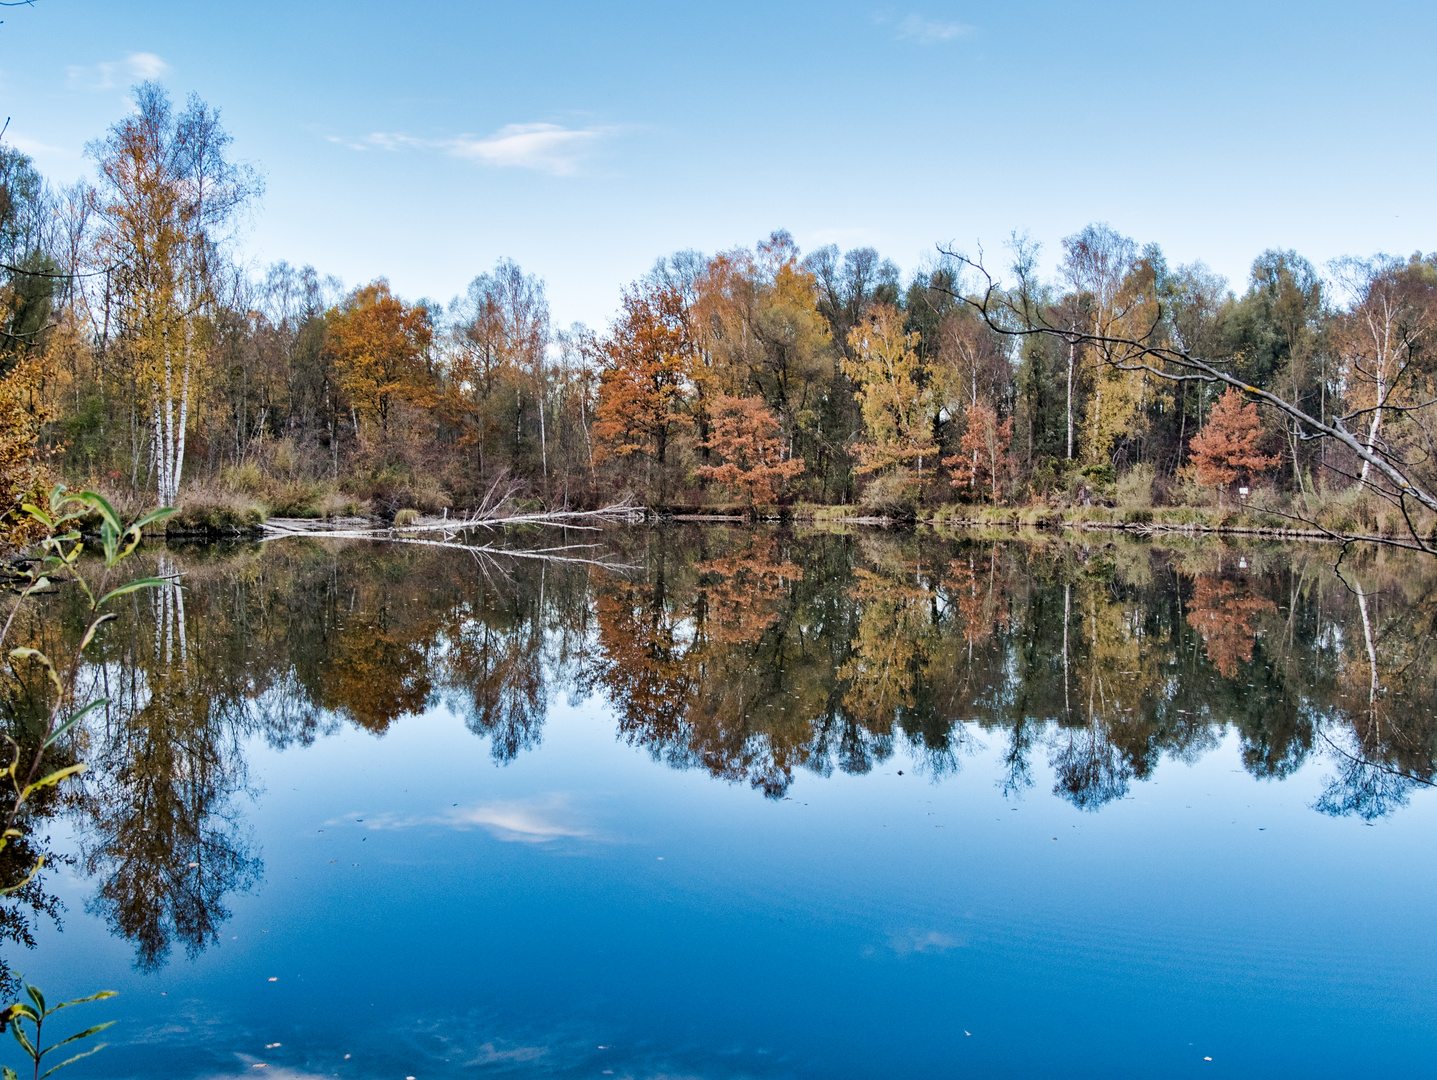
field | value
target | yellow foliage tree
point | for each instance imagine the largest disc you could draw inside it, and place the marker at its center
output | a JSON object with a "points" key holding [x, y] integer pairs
{"points": [[22, 476], [893, 392]]}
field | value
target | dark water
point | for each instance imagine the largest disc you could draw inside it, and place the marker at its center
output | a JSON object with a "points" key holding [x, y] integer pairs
{"points": [[771, 804]]}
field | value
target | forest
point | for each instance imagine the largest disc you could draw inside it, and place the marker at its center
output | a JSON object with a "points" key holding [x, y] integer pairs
{"points": [[140, 356]]}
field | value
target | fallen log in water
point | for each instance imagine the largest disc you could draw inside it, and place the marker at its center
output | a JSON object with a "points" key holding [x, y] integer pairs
{"points": [[452, 528], [479, 519]]}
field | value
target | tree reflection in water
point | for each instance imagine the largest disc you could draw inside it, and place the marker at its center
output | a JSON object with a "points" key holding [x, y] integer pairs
{"points": [[753, 655], [162, 835]]}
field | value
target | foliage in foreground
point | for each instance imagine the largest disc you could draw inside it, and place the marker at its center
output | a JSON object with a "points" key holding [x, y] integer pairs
{"points": [[60, 553]]}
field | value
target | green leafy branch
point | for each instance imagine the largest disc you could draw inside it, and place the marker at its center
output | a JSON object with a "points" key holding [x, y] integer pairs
{"points": [[37, 1012], [62, 548]]}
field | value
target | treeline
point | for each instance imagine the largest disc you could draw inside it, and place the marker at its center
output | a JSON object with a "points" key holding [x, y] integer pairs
{"points": [[138, 354]]}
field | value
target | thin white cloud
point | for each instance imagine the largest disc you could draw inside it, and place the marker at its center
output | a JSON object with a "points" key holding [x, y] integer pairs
{"points": [[523, 821], [917, 941], [928, 31], [109, 74], [547, 148], [146, 65], [37, 149], [526, 823]]}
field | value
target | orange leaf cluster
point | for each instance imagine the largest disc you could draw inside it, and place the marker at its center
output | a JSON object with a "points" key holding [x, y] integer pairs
{"points": [[378, 343], [745, 438], [642, 384], [1226, 447], [983, 449]]}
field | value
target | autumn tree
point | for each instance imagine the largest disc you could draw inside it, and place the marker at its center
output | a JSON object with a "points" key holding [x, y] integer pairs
{"points": [[757, 332], [969, 363], [1381, 341], [893, 391], [166, 201], [379, 343], [1096, 264], [1274, 336], [744, 437], [642, 385], [1227, 446], [22, 476], [498, 373], [983, 450]]}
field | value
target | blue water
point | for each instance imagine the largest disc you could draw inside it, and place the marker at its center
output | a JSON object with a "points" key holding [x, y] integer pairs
{"points": [[588, 911]]}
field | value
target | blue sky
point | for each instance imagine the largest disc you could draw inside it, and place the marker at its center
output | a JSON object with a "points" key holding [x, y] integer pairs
{"points": [[423, 141]]}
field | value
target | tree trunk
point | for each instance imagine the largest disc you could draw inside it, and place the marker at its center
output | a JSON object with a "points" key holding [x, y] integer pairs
{"points": [[1070, 400]]}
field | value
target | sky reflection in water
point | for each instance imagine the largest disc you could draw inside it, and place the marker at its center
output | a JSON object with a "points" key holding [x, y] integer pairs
{"points": [[771, 805]]}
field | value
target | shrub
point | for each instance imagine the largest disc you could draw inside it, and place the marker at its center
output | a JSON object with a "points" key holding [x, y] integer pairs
{"points": [[206, 510], [1134, 489], [338, 504], [247, 478], [893, 495], [1101, 473], [407, 516], [294, 499]]}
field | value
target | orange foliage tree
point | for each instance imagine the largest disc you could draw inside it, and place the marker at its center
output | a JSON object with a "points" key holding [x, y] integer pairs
{"points": [[744, 436], [379, 344], [641, 389], [1226, 447], [983, 449]]}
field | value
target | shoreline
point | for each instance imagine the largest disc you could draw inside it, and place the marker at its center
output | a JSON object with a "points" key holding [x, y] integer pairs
{"points": [[1054, 522]]}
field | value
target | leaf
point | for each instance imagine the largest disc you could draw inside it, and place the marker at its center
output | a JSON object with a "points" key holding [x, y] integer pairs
{"points": [[9, 1074], [37, 997], [110, 540], [39, 515], [23, 653], [71, 1061], [68, 724], [102, 504], [90, 630], [54, 778], [81, 1035], [9, 890], [154, 516], [133, 586], [24, 1042], [98, 996]]}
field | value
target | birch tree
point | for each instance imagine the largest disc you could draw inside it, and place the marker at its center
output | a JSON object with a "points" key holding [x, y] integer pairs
{"points": [[166, 202], [1381, 335]]}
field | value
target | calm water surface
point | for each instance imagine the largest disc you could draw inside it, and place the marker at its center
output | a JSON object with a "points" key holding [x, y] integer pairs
{"points": [[757, 804]]}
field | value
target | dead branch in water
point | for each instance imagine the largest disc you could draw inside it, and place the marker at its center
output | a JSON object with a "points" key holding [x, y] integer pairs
{"points": [[487, 517], [482, 518]]}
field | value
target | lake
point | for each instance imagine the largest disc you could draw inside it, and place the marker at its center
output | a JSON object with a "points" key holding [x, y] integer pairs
{"points": [[700, 801]]}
